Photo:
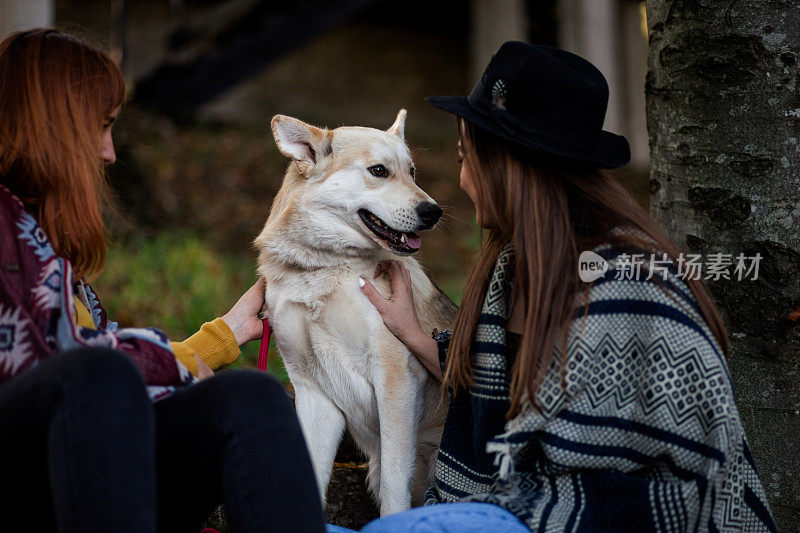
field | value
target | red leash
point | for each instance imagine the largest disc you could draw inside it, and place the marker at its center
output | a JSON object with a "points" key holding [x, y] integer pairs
{"points": [[263, 351]]}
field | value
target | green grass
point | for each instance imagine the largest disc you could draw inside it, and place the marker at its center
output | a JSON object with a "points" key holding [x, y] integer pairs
{"points": [[176, 283]]}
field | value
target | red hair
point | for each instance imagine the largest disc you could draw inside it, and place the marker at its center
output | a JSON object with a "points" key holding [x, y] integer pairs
{"points": [[56, 91]]}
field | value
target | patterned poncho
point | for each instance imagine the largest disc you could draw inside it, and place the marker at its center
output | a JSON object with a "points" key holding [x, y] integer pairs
{"points": [[637, 428], [37, 311]]}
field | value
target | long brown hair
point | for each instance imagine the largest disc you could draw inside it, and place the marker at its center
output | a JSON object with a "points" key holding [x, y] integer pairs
{"points": [[549, 211], [56, 91]]}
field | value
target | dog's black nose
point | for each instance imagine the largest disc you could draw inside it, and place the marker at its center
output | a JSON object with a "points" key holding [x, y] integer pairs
{"points": [[429, 213]]}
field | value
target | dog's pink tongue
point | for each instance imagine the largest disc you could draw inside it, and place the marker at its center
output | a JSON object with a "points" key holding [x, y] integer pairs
{"points": [[414, 241]]}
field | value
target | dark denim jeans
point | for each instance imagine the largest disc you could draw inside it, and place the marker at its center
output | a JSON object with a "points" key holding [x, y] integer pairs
{"points": [[82, 449]]}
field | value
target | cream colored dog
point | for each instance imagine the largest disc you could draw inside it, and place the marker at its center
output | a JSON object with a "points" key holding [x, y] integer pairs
{"points": [[349, 201]]}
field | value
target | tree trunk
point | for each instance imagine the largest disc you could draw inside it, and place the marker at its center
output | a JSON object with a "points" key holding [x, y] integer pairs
{"points": [[723, 115]]}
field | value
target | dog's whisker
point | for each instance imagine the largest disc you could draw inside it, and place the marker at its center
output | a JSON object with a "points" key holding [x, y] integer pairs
{"points": [[448, 215], [445, 227]]}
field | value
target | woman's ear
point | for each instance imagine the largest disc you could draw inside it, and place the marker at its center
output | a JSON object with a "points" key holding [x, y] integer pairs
{"points": [[399, 126], [304, 143]]}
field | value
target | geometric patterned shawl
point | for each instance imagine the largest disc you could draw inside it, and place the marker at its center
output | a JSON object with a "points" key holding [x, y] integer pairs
{"points": [[637, 428], [37, 309], [463, 465]]}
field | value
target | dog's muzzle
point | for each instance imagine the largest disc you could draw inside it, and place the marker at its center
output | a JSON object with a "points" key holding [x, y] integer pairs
{"points": [[429, 213]]}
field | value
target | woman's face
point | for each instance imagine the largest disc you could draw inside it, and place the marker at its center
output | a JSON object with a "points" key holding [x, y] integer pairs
{"points": [[467, 184], [107, 153]]}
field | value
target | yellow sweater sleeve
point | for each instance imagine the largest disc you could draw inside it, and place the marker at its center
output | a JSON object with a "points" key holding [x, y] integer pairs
{"points": [[214, 344]]}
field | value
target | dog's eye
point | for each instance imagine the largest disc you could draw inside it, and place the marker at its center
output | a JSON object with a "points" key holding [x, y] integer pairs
{"points": [[379, 171], [413, 171]]}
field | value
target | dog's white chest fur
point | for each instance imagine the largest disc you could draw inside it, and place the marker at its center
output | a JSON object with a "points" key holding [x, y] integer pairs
{"points": [[330, 333], [350, 372]]}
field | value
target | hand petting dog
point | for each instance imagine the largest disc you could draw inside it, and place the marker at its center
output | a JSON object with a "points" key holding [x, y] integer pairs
{"points": [[400, 315], [243, 316]]}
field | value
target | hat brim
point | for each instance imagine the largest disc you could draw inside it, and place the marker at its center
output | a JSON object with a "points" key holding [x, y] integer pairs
{"points": [[611, 151]]}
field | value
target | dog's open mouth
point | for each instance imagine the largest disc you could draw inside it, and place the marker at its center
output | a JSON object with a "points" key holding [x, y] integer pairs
{"points": [[397, 241]]}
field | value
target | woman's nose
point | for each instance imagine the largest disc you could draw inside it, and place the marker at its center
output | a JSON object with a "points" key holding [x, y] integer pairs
{"points": [[107, 153]]}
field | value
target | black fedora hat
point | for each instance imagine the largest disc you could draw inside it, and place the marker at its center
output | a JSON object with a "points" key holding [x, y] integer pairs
{"points": [[545, 100]]}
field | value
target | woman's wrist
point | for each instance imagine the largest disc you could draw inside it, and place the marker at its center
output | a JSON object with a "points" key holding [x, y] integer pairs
{"points": [[417, 340], [242, 327], [426, 349], [231, 324]]}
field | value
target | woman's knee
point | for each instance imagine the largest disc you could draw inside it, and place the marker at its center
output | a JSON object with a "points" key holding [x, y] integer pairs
{"points": [[102, 374], [250, 393]]}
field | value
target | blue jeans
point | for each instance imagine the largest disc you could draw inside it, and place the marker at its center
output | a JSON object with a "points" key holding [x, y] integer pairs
{"points": [[445, 518]]}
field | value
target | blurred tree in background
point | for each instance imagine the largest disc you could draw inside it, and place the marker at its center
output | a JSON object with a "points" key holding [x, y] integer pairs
{"points": [[723, 104]]}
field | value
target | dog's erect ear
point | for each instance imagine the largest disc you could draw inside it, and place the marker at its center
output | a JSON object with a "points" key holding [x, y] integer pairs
{"points": [[399, 126], [302, 142]]}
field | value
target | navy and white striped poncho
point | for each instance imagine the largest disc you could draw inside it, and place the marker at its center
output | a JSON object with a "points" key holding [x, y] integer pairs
{"points": [[639, 432]]}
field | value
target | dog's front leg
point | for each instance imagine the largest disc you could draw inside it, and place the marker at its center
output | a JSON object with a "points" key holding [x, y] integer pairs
{"points": [[323, 426], [399, 400]]}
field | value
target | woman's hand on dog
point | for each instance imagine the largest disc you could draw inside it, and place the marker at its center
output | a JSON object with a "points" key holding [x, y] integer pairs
{"points": [[400, 315], [243, 316]]}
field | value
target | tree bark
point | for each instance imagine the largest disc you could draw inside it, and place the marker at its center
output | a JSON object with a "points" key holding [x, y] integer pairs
{"points": [[723, 115]]}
